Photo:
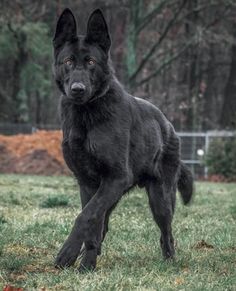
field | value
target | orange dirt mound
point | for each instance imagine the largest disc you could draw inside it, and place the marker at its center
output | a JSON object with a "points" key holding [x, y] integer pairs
{"points": [[38, 153]]}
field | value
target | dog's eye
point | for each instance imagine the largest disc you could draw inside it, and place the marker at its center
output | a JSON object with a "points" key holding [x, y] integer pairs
{"points": [[68, 62], [91, 61]]}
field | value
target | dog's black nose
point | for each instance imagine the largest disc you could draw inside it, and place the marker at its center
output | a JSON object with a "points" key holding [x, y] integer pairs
{"points": [[77, 88]]}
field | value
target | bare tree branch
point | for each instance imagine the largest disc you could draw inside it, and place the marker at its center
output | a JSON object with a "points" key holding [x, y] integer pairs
{"points": [[165, 64], [157, 44], [146, 19], [3, 92], [179, 53]]}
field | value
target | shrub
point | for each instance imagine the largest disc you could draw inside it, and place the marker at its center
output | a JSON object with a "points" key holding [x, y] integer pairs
{"points": [[2, 219], [55, 201], [221, 158]]}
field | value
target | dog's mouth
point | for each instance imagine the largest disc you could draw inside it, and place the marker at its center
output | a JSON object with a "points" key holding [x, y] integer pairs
{"points": [[81, 102], [79, 99], [76, 100]]}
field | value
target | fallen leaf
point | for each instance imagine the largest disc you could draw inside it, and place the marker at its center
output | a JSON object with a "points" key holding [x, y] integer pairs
{"points": [[179, 281], [185, 270], [12, 288], [203, 245], [18, 276]]}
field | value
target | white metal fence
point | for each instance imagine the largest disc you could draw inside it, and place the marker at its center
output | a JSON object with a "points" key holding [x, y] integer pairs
{"points": [[195, 146]]}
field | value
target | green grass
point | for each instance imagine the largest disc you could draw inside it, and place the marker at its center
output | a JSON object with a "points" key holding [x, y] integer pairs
{"points": [[31, 235], [55, 201]]}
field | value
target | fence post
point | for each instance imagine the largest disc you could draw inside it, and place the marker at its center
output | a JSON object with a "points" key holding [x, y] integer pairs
{"points": [[206, 151], [34, 129]]}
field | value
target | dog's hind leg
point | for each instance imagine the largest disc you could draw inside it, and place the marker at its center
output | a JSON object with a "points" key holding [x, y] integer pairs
{"points": [[162, 205]]}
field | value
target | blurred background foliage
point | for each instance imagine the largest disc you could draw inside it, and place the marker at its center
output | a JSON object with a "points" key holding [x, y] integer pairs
{"points": [[179, 54], [221, 158]]}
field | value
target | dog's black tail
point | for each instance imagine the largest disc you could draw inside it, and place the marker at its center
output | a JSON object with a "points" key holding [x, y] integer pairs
{"points": [[185, 184]]}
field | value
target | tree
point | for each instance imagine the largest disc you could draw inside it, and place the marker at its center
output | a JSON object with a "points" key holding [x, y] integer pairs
{"points": [[228, 114], [138, 21], [25, 55]]}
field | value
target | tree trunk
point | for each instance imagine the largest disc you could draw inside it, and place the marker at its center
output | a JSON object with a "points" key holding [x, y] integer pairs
{"points": [[18, 65], [209, 115], [192, 65], [135, 10], [228, 114]]}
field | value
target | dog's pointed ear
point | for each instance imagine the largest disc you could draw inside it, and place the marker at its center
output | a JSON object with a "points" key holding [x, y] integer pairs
{"points": [[66, 28], [97, 31]]}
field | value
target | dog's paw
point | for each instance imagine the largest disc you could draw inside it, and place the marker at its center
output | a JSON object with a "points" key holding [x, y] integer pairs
{"points": [[168, 253], [169, 256], [68, 254], [168, 249], [88, 262], [83, 269]]}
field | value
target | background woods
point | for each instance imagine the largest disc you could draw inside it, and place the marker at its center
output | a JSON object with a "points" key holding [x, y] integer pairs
{"points": [[180, 54]]}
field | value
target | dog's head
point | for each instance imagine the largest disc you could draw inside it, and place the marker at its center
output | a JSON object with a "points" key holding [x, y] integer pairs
{"points": [[81, 66]]}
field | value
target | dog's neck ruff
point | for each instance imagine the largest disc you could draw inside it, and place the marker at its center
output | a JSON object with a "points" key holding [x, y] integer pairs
{"points": [[101, 94]]}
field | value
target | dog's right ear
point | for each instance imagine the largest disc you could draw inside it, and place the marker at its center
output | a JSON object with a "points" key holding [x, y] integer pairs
{"points": [[97, 31], [66, 28]]}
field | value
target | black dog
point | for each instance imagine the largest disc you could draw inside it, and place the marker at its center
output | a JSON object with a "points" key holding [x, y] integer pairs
{"points": [[112, 141]]}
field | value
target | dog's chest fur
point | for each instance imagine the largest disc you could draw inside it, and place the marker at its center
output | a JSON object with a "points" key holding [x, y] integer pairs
{"points": [[82, 147]]}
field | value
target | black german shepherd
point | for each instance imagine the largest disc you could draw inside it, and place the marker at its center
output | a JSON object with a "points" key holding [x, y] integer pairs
{"points": [[112, 141]]}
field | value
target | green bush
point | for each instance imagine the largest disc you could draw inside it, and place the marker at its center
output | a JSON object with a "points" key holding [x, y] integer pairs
{"points": [[2, 219], [55, 201], [221, 158]]}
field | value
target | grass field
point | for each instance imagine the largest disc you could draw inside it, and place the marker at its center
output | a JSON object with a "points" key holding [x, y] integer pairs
{"points": [[36, 215]]}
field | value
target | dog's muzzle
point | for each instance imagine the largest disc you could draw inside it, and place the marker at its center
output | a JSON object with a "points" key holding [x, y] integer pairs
{"points": [[77, 89]]}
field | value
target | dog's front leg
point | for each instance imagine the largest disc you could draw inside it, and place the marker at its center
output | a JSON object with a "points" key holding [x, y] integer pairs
{"points": [[92, 246], [89, 221]]}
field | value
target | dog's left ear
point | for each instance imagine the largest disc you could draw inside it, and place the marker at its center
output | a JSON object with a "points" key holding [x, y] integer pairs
{"points": [[66, 29], [97, 31]]}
